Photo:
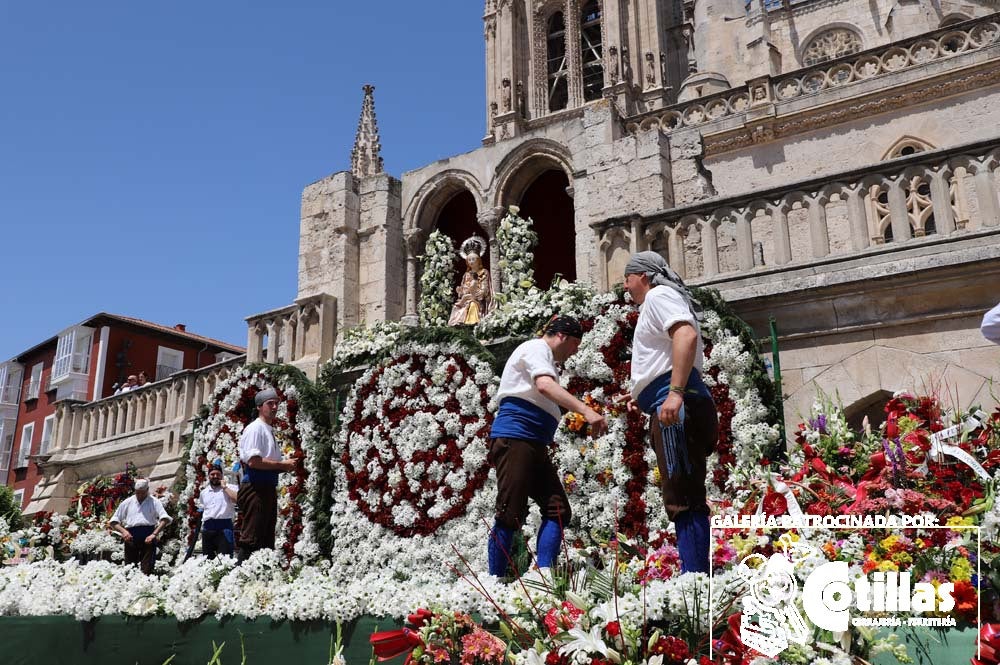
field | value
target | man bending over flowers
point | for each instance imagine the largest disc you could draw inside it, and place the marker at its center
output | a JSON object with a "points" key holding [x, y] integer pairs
{"points": [[525, 424], [667, 354]]}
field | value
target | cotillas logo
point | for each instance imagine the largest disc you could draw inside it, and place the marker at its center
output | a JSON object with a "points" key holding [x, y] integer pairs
{"points": [[771, 619]]}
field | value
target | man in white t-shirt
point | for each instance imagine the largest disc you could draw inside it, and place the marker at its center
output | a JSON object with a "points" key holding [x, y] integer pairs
{"points": [[524, 426], [991, 325], [218, 507], [139, 520], [667, 354], [261, 462]]}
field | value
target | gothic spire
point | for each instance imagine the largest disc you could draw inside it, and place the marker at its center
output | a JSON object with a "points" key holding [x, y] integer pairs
{"points": [[366, 157]]}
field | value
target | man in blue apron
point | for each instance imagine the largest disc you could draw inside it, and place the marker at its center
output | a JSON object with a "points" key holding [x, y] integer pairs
{"points": [[524, 427], [261, 461], [218, 503], [140, 519], [667, 354]]}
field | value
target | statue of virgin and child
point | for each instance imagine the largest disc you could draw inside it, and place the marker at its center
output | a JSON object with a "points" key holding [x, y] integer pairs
{"points": [[475, 292]]}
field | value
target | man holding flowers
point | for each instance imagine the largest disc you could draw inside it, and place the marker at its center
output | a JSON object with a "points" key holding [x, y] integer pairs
{"points": [[524, 426]]}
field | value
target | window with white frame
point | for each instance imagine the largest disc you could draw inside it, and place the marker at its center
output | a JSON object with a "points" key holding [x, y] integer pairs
{"points": [[7, 428], [27, 433], [19, 498], [72, 353], [168, 361], [47, 426], [10, 383], [35, 381]]}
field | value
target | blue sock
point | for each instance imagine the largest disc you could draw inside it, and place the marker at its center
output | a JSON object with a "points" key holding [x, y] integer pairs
{"points": [[499, 549], [549, 541], [693, 541]]}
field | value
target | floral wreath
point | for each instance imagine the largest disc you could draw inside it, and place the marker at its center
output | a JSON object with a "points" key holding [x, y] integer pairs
{"points": [[621, 463], [217, 443], [411, 458]]}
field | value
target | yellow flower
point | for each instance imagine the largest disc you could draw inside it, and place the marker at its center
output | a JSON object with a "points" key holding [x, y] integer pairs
{"points": [[887, 566], [955, 520], [889, 541], [656, 475], [961, 570], [902, 558]]}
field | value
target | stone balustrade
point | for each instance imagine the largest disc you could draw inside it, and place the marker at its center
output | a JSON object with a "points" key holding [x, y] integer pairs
{"points": [[143, 426], [973, 35], [301, 334], [937, 194]]}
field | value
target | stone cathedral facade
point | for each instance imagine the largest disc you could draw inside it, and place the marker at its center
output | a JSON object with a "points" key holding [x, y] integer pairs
{"points": [[829, 163]]}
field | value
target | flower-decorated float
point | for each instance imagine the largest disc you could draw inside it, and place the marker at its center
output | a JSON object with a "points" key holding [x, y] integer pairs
{"points": [[388, 512]]}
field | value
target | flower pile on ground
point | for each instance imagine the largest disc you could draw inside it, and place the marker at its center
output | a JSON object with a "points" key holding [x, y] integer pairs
{"points": [[296, 431]]}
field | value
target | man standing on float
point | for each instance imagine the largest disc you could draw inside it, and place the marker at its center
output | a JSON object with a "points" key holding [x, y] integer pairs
{"points": [[667, 354], [524, 427]]}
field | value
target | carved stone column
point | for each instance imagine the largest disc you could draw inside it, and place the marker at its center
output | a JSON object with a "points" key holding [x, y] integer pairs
{"points": [[744, 239], [986, 193], [573, 40], [675, 248], [710, 247], [489, 219], [819, 234], [899, 215], [782, 239], [273, 335], [944, 214], [858, 221], [539, 70], [636, 238], [414, 246]]}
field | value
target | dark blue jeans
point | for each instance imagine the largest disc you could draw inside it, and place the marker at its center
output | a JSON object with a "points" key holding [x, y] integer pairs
{"points": [[217, 537]]}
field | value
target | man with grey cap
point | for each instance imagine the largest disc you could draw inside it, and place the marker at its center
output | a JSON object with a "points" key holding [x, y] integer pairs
{"points": [[667, 353], [261, 461], [139, 520]]}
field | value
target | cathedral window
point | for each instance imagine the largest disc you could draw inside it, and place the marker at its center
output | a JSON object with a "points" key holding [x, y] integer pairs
{"points": [[592, 50], [558, 63], [830, 44]]}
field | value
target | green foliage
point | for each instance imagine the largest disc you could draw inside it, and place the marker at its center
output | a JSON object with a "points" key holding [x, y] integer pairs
{"points": [[10, 509], [516, 240], [712, 299], [437, 280]]}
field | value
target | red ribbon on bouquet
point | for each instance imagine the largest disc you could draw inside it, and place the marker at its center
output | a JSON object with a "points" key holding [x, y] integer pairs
{"points": [[388, 644]]}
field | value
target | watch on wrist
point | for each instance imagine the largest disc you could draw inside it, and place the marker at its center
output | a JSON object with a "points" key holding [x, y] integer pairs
{"points": [[677, 389]]}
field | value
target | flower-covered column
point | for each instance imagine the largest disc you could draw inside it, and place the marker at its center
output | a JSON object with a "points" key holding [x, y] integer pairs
{"points": [[489, 219]]}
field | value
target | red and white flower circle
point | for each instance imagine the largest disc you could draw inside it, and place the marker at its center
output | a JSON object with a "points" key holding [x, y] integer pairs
{"points": [[415, 444]]}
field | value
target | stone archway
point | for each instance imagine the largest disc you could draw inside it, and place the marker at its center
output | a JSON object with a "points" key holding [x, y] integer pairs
{"points": [[457, 220], [547, 202]]}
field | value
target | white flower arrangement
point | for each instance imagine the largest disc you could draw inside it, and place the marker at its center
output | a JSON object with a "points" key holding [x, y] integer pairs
{"points": [[412, 464], [361, 343], [218, 442], [516, 240], [437, 279]]}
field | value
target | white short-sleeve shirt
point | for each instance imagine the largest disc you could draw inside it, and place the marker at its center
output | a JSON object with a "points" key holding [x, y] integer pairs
{"points": [[215, 504], [652, 350], [258, 440], [131, 513], [529, 361], [991, 325]]}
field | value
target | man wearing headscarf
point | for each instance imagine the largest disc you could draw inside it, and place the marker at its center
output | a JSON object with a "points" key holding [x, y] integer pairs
{"points": [[261, 461], [667, 354], [524, 427], [139, 520]]}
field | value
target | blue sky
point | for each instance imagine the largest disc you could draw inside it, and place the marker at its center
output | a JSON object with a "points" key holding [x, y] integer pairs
{"points": [[152, 154]]}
